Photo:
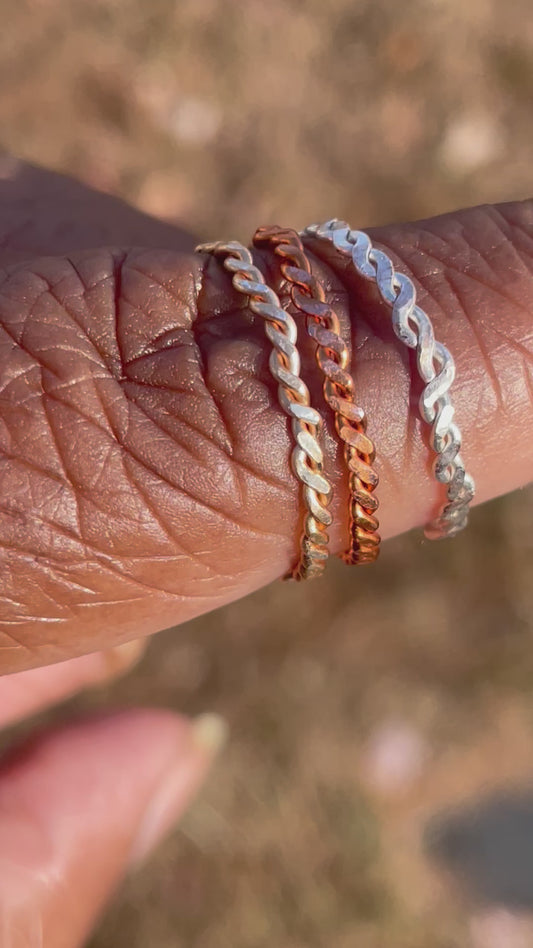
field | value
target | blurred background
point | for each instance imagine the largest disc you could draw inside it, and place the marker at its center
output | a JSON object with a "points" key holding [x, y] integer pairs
{"points": [[378, 786]]}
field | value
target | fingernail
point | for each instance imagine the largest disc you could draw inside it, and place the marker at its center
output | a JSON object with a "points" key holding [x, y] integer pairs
{"points": [[121, 658], [207, 736]]}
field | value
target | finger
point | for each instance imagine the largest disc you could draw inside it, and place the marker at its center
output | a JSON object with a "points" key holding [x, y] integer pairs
{"points": [[145, 475], [42, 212], [473, 272], [26, 692], [79, 807]]}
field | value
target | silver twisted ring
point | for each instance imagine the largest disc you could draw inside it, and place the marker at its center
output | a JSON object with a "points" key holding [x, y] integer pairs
{"points": [[435, 364], [284, 363]]}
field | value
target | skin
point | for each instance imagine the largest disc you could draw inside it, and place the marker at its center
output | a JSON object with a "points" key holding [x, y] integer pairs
{"points": [[145, 476]]}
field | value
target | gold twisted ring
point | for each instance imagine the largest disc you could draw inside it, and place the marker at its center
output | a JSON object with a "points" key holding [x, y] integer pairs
{"points": [[284, 363]]}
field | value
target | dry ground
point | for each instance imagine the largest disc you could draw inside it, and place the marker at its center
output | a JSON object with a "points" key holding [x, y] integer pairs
{"points": [[418, 695]]}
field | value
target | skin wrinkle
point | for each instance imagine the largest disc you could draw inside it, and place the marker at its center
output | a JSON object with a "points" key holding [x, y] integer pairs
{"points": [[145, 308], [528, 381], [108, 563], [251, 431], [78, 490], [202, 332], [32, 466], [199, 502], [476, 257], [510, 227], [19, 344], [237, 465], [109, 280], [163, 286], [55, 527], [55, 440], [18, 643], [36, 362], [72, 583], [15, 602], [204, 434], [207, 468], [57, 347], [519, 230], [159, 520], [105, 281], [195, 456], [226, 441], [57, 604], [81, 605], [118, 423], [69, 383], [53, 433], [477, 332], [82, 490], [111, 451], [199, 365], [156, 386], [515, 344], [451, 275], [18, 375], [69, 312], [118, 275], [157, 345], [446, 272], [224, 515]]}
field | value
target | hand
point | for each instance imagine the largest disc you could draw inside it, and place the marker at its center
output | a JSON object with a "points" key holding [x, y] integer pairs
{"points": [[145, 479], [83, 804]]}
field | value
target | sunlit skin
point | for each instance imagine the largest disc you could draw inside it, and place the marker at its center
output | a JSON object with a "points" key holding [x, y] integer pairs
{"points": [[145, 473], [146, 476]]}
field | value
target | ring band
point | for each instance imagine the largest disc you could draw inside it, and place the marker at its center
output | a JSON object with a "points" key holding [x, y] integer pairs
{"points": [[293, 394], [332, 356], [435, 363]]}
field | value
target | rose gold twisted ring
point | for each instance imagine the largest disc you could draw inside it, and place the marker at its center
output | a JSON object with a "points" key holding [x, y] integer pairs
{"points": [[332, 356]]}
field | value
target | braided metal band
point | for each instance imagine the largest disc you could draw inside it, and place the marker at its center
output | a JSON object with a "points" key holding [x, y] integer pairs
{"points": [[284, 364], [332, 356], [435, 365]]}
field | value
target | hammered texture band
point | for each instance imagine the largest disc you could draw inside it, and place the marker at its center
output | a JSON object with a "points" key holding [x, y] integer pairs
{"points": [[284, 364], [435, 364], [332, 356]]}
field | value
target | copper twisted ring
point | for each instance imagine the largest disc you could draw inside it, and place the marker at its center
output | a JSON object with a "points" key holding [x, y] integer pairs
{"points": [[332, 356]]}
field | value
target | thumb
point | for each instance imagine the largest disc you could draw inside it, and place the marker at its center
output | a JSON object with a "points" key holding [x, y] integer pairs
{"points": [[144, 470], [80, 806]]}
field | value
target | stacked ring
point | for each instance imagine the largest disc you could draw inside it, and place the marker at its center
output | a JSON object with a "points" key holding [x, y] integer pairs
{"points": [[436, 367], [293, 394], [332, 356], [411, 325]]}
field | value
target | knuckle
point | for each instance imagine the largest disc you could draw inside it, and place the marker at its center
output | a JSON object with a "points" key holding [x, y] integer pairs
{"points": [[125, 443]]}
